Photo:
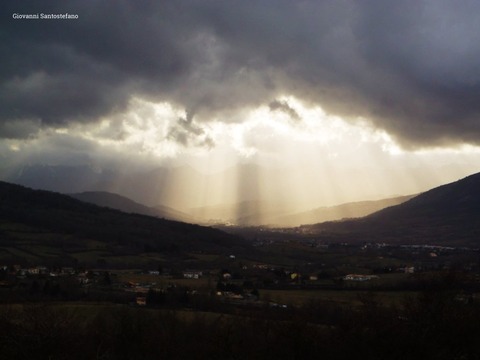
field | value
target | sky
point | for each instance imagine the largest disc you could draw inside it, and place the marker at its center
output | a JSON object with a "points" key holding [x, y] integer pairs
{"points": [[365, 99]]}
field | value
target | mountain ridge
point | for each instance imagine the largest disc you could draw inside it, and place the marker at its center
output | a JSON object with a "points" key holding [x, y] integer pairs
{"points": [[346, 210], [185, 187], [45, 226], [447, 214], [123, 203]]}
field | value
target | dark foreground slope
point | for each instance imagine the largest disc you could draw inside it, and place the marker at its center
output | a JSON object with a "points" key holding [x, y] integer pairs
{"points": [[34, 222], [122, 203], [448, 215]]}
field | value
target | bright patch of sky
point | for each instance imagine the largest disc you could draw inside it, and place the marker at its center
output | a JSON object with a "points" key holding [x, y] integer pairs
{"points": [[306, 157]]}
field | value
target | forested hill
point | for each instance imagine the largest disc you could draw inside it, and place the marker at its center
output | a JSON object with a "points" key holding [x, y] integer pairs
{"points": [[448, 214], [122, 203], [51, 218]]}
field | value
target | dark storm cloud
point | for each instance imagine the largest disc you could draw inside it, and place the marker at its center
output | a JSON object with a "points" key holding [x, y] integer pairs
{"points": [[20, 129], [77, 70], [411, 67], [283, 106], [186, 132]]}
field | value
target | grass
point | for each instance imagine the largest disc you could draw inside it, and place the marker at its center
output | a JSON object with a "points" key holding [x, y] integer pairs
{"points": [[342, 297], [207, 257], [87, 311], [21, 254], [43, 251], [201, 283], [88, 256]]}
